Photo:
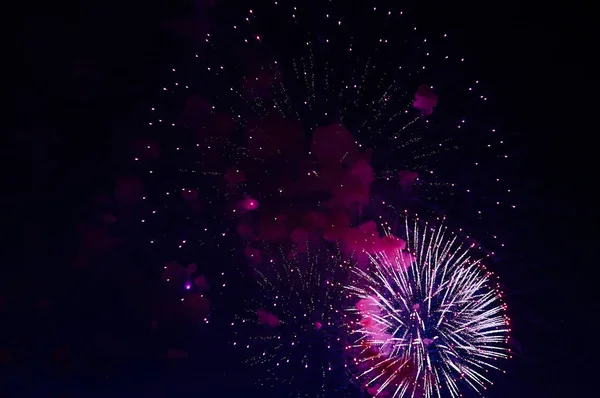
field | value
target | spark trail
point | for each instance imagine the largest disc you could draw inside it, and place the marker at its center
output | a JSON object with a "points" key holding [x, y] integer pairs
{"points": [[432, 319]]}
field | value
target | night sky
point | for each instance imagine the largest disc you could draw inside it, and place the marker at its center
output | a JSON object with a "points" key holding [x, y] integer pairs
{"points": [[84, 76]]}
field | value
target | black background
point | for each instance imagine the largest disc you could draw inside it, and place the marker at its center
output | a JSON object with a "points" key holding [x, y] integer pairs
{"points": [[61, 151]]}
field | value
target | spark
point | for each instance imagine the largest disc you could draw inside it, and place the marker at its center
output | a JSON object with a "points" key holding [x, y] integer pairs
{"points": [[432, 318], [301, 295]]}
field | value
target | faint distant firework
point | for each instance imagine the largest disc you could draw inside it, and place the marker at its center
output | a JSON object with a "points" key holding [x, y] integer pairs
{"points": [[293, 328]]}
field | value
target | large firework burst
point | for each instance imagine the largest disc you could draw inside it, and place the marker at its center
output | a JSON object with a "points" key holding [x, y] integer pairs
{"points": [[274, 68], [432, 319]]}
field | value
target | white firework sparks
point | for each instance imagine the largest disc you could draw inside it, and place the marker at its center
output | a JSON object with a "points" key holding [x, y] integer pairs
{"points": [[291, 330], [432, 319]]}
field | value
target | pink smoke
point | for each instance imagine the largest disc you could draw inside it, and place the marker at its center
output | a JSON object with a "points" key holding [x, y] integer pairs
{"points": [[407, 178], [333, 144], [189, 193], [267, 318], [425, 100], [248, 204]]}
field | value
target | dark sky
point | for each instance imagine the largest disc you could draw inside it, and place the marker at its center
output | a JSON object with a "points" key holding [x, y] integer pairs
{"points": [[533, 56]]}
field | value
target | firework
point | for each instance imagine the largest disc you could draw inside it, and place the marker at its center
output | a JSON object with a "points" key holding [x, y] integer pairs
{"points": [[431, 319], [279, 102], [292, 330], [261, 133], [277, 105]]}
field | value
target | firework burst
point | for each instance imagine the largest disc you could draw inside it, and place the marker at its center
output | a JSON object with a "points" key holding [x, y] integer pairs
{"points": [[432, 319], [275, 91], [292, 330]]}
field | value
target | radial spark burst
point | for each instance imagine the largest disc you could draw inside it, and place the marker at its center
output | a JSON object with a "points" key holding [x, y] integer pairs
{"points": [[292, 331], [432, 320], [315, 66]]}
